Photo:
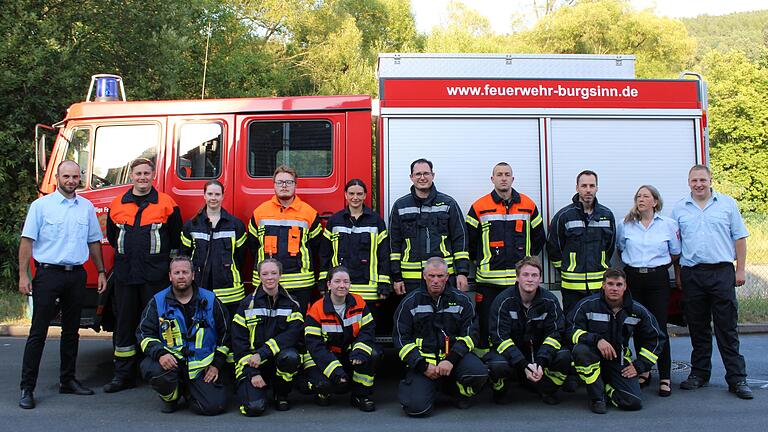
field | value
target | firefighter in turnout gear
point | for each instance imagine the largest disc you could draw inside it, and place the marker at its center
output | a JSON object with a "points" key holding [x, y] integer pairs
{"points": [[266, 335], [287, 229], [143, 226], [424, 224], [601, 328], [503, 227], [183, 332], [339, 334], [356, 237], [215, 240], [582, 237], [434, 334], [526, 329]]}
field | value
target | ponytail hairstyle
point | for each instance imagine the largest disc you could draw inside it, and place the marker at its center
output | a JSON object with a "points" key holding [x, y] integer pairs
{"points": [[205, 188]]}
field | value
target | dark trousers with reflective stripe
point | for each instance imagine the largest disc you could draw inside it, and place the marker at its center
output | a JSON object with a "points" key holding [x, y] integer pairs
{"points": [[252, 399], [500, 369], [47, 286], [130, 301], [323, 385], [203, 398], [417, 393], [710, 297], [622, 392], [652, 291]]}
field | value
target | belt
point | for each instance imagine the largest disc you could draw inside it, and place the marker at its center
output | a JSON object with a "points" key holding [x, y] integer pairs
{"points": [[711, 266], [644, 270], [60, 267]]}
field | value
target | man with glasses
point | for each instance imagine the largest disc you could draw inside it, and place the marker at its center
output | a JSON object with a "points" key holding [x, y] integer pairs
{"points": [[424, 224], [287, 229]]}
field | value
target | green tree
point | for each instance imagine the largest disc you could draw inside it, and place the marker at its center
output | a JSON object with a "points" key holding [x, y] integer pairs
{"points": [[662, 45], [466, 31]]}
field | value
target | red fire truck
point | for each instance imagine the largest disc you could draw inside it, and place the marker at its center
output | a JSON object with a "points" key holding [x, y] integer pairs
{"points": [[549, 116]]}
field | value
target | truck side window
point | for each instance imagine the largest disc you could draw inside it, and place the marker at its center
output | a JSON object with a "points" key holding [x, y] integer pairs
{"points": [[116, 147], [78, 151], [306, 145], [198, 152]]}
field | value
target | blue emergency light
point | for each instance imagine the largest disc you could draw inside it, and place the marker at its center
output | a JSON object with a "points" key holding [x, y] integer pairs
{"points": [[108, 88]]}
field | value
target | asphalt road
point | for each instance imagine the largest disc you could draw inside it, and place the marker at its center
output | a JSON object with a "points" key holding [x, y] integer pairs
{"points": [[710, 408]]}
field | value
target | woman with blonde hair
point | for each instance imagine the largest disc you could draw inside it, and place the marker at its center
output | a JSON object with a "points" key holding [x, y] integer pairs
{"points": [[648, 243]]}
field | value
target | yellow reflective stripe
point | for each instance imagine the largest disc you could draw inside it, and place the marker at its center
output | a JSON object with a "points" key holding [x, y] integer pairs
{"points": [[365, 380], [147, 341], [411, 275], [649, 355], [581, 286], [233, 294], [381, 236], [536, 221], [195, 367], [461, 255], [556, 377], [552, 342], [286, 376], [589, 374], [332, 366], [577, 335], [468, 341], [407, 251], [395, 256], [273, 346], [241, 241], [406, 349], [199, 338], [366, 320], [557, 264], [327, 234], [174, 395], [185, 240], [383, 279], [295, 316], [466, 391], [363, 347], [313, 331], [471, 221], [224, 350], [572, 266], [443, 249], [124, 352], [504, 345], [323, 275], [602, 259], [318, 229], [238, 319]]}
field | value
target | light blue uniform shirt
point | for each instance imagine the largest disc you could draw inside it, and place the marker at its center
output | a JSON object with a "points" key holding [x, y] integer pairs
{"points": [[708, 234], [648, 247], [61, 229]]}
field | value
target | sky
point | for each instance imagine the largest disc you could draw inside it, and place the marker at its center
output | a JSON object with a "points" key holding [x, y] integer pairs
{"points": [[430, 13]]}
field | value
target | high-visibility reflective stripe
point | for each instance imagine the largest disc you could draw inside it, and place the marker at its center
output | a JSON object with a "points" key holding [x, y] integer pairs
{"points": [[505, 217], [457, 309], [250, 313], [273, 346], [394, 256], [597, 316], [406, 349], [602, 259], [283, 222], [574, 224], [199, 338], [230, 295], [331, 367], [541, 317], [443, 249], [552, 342], [126, 351], [147, 341], [354, 230], [238, 319], [461, 255], [557, 264], [200, 236], [631, 320], [154, 238], [576, 335], [174, 395], [556, 377], [572, 266], [241, 241], [332, 328], [286, 376], [312, 330], [422, 309], [366, 320], [365, 380], [504, 345], [352, 320], [466, 391], [407, 250], [513, 314], [589, 374], [471, 221], [223, 234], [295, 316], [121, 239], [468, 341], [600, 224], [186, 241], [363, 347], [581, 286], [536, 221], [195, 367], [649, 355]]}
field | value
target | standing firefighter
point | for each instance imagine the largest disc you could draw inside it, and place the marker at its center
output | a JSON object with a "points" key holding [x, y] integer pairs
{"points": [[287, 229], [526, 329], [434, 333], [503, 227], [183, 332], [143, 226], [602, 326]]}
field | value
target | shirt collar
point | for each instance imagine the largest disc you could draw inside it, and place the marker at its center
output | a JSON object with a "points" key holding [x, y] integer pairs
{"points": [[295, 204], [62, 199], [714, 197]]}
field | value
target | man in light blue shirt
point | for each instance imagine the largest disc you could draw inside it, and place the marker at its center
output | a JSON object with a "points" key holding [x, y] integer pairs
{"points": [[713, 236], [60, 232]]}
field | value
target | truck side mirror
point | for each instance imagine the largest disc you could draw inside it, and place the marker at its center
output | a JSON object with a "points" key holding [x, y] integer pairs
{"points": [[45, 137]]}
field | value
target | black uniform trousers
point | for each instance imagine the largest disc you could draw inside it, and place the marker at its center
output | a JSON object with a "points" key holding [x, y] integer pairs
{"points": [[571, 297], [303, 296], [652, 290], [278, 374], [710, 297], [417, 393], [359, 377], [130, 302], [485, 294], [607, 382], [554, 373], [48, 285], [203, 398]]}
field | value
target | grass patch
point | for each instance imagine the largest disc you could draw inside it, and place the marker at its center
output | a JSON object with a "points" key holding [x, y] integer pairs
{"points": [[757, 242], [753, 309], [12, 307]]}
